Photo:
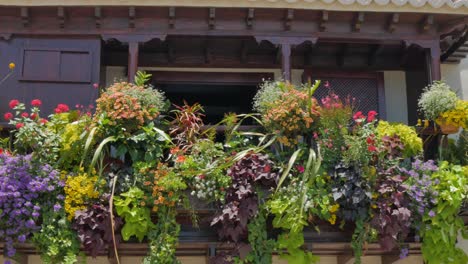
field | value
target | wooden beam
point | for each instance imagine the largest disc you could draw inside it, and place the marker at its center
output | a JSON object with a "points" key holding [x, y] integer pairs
{"points": [[393, 22], [212, 18], [433, 61], [97, 16], [323, 21], [249, 21], [172, 17], [24, 12], [170, 52], [132, 60], [208, 53], [288, 19], [131, 17], [427, 23], [358, 21], [61, 16], [390, 259], [375, 51], [343, 259]]}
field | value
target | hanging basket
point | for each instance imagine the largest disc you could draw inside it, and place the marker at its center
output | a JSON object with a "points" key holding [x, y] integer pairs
{"points": [[448, 128]]}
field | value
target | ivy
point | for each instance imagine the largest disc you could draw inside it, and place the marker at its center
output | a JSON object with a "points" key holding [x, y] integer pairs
{"points": [[262, 247]]}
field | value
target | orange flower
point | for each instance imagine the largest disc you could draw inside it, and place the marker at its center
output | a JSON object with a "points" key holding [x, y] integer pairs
{"points": [[180, 159]]}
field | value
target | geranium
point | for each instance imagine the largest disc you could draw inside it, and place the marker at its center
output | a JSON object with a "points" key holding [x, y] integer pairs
{"points": [[358, 117], [25, 115], [371, 116], [13, 103], [36, 102], [61, 108], [8, 116], [19, 125]]}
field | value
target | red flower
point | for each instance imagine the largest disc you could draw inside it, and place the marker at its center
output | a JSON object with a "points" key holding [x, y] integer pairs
{"points": [[33, 116], [61, 108], [36, 103], [369, 140], [25, 115], [19, 125], [371, 116], [43, 121], [1, 151], [8, 116], [13, 103], [371, 148], [201, 177], [358, 115], [267, 169]]}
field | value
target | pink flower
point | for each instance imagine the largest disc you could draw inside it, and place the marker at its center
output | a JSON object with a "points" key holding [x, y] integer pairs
{"points": [[327, 84], [43, 121], [8, 116], [300, 168], [201, 177], [33, 116], [95, 85], [19, 125], [36, 103], [372, 148], [315, 135], [13, 103], [25, 115]]}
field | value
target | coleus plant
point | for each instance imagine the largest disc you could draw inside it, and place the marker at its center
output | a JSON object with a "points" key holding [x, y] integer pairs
{"points": [[241, 199]]}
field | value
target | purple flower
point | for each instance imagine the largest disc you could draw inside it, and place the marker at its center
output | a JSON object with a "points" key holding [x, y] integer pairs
{"points": [[21, 238], [57, 207], [404, 253], [431, 213], [35, 214]]}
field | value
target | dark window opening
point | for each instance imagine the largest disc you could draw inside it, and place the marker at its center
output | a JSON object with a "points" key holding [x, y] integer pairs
{"points": [[216, 99]]}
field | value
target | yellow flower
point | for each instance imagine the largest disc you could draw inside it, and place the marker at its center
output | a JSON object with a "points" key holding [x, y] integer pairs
{"points": [[334, 208], [419, 123], [332, 219], [426, 123], [11, 65]]}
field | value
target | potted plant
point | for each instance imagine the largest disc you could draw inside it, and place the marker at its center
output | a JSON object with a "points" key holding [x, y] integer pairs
{"points": [[436, 99]]}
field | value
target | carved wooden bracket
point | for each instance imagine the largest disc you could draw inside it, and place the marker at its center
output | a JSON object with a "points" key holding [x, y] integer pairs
{"points": [[250, 18], [61, 16], [25, 16], [140, 38], [276, 40], [172, 17], [97, 16]]}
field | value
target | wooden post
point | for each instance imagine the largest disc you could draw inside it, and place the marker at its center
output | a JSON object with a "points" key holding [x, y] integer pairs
{"points": [[433, 62], [286, 61], [132, 60]]}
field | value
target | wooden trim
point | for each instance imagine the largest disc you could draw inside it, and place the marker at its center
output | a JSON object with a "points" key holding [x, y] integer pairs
{"points": [[247, 78]]}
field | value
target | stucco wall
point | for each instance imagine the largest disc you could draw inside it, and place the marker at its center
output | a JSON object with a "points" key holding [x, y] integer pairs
{"points": [[456, 75]]}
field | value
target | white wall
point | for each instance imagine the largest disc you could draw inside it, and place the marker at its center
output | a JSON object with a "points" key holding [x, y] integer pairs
{"points": [[456, 75], [395, 96]]}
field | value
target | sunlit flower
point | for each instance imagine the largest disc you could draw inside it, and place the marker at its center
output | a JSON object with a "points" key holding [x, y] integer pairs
{"points": [[36, 103], [8, 116], [11, 66], [13, 103], [19, 125]]}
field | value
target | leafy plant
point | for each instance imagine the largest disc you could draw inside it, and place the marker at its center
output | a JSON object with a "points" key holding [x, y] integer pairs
{"points": [[241, 199], [79, 190], [412, 143], [187, 125], [94, 228], [163, 238], [261, 247], [137, 218], [441, 228], [56, 241]]}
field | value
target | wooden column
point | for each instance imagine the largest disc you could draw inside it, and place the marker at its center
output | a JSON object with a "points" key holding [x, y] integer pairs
{"points": [[433, 62], [132, 60], [286, 61]]}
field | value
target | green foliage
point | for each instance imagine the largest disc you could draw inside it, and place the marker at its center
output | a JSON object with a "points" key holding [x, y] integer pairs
{"points": [[293, 242], [457, 151], [436, 99], [269, 92], [56, 241], [262, 247], [137, 218], [163, 238], [413, 145], [440, 231], [141, 78]]}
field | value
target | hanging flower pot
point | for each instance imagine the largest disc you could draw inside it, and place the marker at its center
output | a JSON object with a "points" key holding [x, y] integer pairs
{"points": [[447, 128]]}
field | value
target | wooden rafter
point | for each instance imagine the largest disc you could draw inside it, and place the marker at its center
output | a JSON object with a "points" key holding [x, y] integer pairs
{"points": [[427, 23], [358, 21], [323, 21], [288, 19], [24, 12], [97, 16], [61, 16], [172, 17], [393, 22], [212, 18], [249, 21], [131, 17]]}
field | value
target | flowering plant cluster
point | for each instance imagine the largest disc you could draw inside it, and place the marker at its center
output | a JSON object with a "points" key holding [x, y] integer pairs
{"points": [[124, 173], [457, 116]]}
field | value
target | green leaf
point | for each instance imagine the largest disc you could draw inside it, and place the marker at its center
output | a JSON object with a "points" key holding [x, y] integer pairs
{"points": [[285, 173]]}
